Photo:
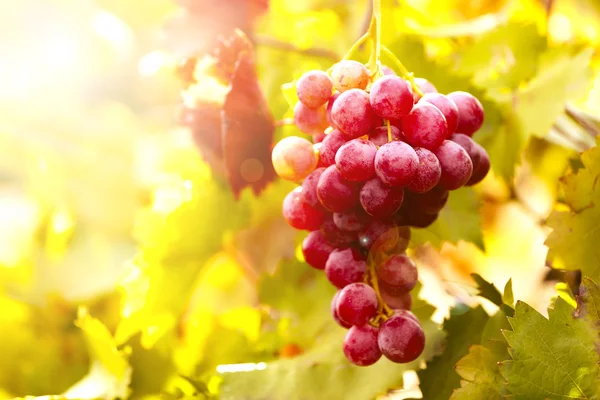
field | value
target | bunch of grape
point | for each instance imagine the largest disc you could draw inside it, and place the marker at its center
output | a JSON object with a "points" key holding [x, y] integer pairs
{"points": [[383, 159]]}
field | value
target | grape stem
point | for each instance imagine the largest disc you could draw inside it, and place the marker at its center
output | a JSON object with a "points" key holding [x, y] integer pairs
{"points": [[389, 130], [404, 73], [383, 310]]}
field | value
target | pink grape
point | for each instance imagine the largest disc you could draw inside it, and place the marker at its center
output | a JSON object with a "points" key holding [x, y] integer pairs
{"points": [[314, 88], [309, 188], [345, 266], [399, 271], [293, 158], [470, 147], [470, 112], [428, 172], [316, 249], [336, 236], [425, 126], [349, 74], [299, 214], [456, 164], [482, 169], [391, 97], [446, 106], [353, 115], [380, 200], [360, 345], [351, 221], [425, 86], [396, 163], [379, 135], [332, 100], [379, 236], [336, 193], [401, 339], [329, 147], [309, 120], [356, 160], [334, 313], [356, 304]]}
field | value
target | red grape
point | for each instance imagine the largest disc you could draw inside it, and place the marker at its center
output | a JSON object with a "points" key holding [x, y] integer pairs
{"points": [[336, 236], [396, 163], [425, 126], [425, 86], [399, 271], [309, 120], [336, 193], [316, 249], [360, 345], [401, 339], [349, 74], [428, 172], [293, 158], [391, 97], [334, 311], [299, 214], [356, 160], [470, 112], [357, 304], [482, 169], [379, 236], [345, 266], [456, 164], [351, 221], [429, 202], [380, 200], [379, 135], [446, 106], [397, 301], [352, 114], [329, 147], [332, 100], [314, 88], [419, 219], [309, 188], [470, 147]]}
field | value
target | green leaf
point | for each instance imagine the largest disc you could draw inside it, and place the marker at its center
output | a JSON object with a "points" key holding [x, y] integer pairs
{"points": [[487, 290], [480, 373], [459, 220], [463, 330], [588, 306], [551, 359], [573, 241], [508, 296]]}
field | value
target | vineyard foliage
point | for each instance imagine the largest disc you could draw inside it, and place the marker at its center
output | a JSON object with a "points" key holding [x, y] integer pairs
{"points": [[140, 260]]}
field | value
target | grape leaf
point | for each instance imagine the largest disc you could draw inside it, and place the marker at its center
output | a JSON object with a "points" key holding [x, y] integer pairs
{"points": [[458, 220], [588, 307], [491, 293], [572, 243], [480, 374], [463, 329], [551, 359]]}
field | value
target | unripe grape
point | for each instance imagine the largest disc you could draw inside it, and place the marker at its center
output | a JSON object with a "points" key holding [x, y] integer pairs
{"points": [[349, 74], [294, 158], [314, 88]]}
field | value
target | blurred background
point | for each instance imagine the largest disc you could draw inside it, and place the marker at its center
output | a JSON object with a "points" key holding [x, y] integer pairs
{"points": [[133, 264]]}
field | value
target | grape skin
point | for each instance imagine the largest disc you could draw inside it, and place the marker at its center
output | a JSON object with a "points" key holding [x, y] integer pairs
{"points": [[470, 147], [356, 160], [330, 102], [360, 345], [336, 193], [470, 112], [430, 202], [379, 235], [357, 304], [334, 313], [380, 200], [425, 126], [345, 266], [428, 172], [293, 158], [353, 115], [316, 249], [456, 164], [351, 221], [482, 169], [425, 86], [314, 88], [299, 214], [396, 163], [329, 147], [446, 106], [379, 135], [397, 301], [336, 236], [399, 271], [391, 97], [310, 121], [349, 74], [309, 188], [401, 339]]}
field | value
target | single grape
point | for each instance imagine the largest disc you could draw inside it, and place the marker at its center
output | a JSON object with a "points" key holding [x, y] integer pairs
{"points": [[314, 88], [316, 249], [345, 266], [397, 301], [357, 304], [396, 163], [456, 164], [379, 236], [470, 112], [380, 200], [299, 214], [399, 271], [336, 193], [429, 202], [353, 115], [425, 86], [351, 221], [309, 188], [329, 147], [356, 160], [309, 120], [293, 158], [336, 236], [446, 106], [401, 339], [379, 135], [482, 169], [428, 172], [334, 313], [349, 74], [360, 345], [332, 100], [391, 97], [470, 147], [425, 126]]}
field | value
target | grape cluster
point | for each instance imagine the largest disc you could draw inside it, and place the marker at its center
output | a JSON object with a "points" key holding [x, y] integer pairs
{"points": [[383, 159]]}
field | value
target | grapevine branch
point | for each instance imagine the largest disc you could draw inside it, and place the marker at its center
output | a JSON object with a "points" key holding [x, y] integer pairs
{"points": [[273, 43]]}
